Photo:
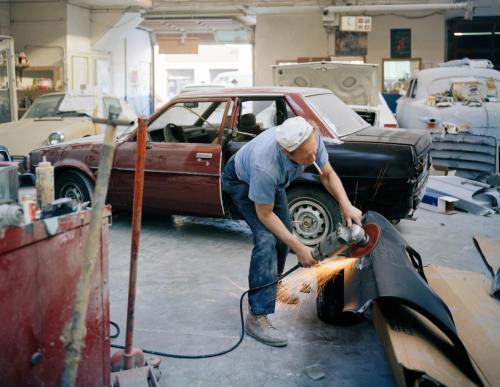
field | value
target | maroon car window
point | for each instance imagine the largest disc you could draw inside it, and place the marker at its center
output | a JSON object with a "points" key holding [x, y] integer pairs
{"points": [[261, 113], [193, 122], [289, 111], [336, 114]]}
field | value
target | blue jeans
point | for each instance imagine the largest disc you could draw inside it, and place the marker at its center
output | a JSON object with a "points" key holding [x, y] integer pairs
{"points": [[269, 253]]}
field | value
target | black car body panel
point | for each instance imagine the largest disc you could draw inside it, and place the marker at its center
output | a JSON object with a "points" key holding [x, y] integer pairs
{"points": [[392, 272]]}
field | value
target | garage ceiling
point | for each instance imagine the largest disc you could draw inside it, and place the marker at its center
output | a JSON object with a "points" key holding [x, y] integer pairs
{"points": [[228, 20]]}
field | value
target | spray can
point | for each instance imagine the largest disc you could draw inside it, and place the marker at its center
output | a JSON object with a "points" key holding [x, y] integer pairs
{"points": [[44, 183], [29, 209]]}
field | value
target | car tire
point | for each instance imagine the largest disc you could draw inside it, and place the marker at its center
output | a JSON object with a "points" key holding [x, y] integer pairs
{"points": [[330, 303], [74, 185], [314, 212]]}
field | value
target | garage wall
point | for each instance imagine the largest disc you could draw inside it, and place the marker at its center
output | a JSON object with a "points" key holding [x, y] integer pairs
{"points": [[5, 19], [80, 66], [39, 29], [427, 38], [78, 29], [130, 53], [282, 37], [100, 23]]}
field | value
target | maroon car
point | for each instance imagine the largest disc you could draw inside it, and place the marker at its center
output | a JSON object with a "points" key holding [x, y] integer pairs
{"points": [[191, 138]]}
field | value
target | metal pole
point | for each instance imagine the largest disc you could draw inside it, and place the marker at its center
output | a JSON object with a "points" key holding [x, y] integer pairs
{"points": [[136, 235], [74, 331]]}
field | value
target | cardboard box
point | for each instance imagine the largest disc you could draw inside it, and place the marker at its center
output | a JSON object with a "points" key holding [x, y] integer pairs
{"points": [[418, 351], [476, 315], [437, 202]]}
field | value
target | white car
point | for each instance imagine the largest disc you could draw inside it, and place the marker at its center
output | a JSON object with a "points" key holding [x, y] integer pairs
{"points": [[463, 93], [355, 84], [233, 79], [199, 87], [460, 101], [56, 117]]}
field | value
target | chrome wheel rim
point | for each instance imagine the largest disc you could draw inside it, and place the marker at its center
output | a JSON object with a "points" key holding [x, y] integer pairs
{"points": [[311, 222], [72, 192]]}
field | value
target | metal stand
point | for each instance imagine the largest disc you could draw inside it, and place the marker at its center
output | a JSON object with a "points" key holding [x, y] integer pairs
{"points": [[133, 358], [74, 332]]}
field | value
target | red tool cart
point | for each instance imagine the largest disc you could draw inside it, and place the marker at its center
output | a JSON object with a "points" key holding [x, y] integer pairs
{"points": [[39, 269]]}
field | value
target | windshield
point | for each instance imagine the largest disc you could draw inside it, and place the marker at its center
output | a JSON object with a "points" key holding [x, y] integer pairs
{"points": [[62, 105], [45, 106], [336, 114]]}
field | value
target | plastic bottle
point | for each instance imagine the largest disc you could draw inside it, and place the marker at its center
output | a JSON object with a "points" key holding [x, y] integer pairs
{"points": [[44, 183]]}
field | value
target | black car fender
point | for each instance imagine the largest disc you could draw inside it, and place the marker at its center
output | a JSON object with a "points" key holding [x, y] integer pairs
{"points": [[392, 272]]}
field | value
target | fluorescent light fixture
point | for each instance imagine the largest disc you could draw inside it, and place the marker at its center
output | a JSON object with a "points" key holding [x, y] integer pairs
{"points": [[474, 33]]}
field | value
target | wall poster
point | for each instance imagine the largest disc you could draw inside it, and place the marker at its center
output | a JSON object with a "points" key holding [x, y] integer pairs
{"points": [[401, 43], [351, 43]]}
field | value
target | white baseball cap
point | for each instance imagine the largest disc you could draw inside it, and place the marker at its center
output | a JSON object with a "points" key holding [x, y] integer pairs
{"points": [[293, 132]]}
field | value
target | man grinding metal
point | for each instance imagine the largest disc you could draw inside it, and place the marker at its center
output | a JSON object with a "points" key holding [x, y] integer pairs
{"points": [[256, 178]]}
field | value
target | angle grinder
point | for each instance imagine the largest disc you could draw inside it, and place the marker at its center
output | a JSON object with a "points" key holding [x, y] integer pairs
{"points": [[354, 241]]}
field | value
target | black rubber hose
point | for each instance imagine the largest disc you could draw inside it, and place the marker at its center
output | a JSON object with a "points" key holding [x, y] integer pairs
{"points": [[242, 334], [116, 326]]}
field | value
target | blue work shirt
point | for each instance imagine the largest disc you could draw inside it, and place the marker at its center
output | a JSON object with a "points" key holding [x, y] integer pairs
{"points": [[266, 169]]}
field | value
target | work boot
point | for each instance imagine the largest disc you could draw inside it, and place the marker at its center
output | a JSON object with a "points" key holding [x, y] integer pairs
{"points": [[260, 328], [285, 296]]}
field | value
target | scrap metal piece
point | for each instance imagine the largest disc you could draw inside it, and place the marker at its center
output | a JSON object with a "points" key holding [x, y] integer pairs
{"points": [[462, 189], [393, 275], [495, 285], [489, 249], [135, 377], [470, 155], [314, 372]]}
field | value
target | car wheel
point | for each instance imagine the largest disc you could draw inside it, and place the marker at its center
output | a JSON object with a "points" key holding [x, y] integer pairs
{"points": [[74, 185], [314, 212], [330, 303]]}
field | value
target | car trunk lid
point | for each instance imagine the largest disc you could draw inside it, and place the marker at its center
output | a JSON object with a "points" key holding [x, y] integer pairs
{"points": [[419, 139], [354, 84]]}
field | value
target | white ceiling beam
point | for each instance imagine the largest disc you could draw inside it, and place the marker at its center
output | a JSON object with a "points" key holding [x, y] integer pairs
{"points": [[397, 7]]}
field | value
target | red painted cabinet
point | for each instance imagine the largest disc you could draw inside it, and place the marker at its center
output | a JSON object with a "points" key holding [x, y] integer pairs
{"points": [[38, 276]]}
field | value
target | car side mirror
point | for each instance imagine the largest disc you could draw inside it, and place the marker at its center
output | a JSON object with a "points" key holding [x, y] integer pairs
{"points": [[148, 145]]}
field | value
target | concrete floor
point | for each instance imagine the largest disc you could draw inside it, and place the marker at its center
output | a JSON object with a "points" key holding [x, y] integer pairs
{"points": [[192, 271]]}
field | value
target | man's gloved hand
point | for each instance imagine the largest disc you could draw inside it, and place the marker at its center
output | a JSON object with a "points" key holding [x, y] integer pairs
{"points": [[304, 255]]}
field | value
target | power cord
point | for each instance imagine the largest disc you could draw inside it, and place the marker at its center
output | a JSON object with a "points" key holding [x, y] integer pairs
{"points": [[205, 356]]}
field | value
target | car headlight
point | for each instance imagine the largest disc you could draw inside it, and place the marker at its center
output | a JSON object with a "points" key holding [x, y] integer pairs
{"points": [[56, 138]]}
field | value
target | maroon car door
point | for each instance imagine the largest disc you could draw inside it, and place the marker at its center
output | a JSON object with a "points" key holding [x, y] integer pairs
{"points": [[183, 162]]}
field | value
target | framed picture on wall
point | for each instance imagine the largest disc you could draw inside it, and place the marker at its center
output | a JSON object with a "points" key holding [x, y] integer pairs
{"points": [[351, 43], [401, 43]]}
